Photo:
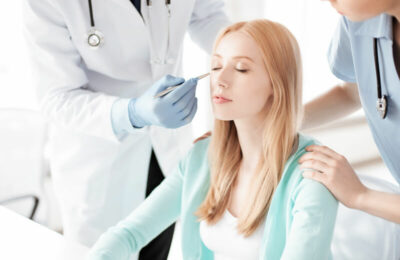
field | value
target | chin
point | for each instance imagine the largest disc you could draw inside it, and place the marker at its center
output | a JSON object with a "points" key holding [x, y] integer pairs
{"points": [[223, 115]]}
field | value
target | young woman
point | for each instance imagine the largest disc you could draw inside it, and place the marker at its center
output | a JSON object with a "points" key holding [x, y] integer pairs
{"points": [[365, 53], [240, 194]]}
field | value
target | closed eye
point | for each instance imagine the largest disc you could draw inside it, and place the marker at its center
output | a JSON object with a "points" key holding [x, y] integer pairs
{"points": [[243, 71]]}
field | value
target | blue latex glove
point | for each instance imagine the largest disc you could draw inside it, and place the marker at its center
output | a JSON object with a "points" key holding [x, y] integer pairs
{"points": [[173, 110]]}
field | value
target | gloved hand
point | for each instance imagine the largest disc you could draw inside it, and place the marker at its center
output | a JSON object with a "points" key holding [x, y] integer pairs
{"points": [[173, 110]]}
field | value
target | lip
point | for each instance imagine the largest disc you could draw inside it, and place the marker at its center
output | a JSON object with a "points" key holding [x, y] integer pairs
{"points": [[220, 100]]}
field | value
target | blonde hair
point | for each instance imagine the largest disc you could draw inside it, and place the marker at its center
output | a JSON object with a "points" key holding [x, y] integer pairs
{"points": [[282, 61]]}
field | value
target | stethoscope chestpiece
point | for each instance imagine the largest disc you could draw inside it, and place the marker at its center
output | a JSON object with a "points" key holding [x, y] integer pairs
{"points": [[95, 38], [381, 106]]}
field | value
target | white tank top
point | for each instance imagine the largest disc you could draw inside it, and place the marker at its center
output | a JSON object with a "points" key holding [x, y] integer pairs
{"points": [[226, 243]]}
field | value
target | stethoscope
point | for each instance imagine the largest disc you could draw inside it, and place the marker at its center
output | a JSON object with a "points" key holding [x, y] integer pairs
{"points": [[382, 102], [95, 38]]}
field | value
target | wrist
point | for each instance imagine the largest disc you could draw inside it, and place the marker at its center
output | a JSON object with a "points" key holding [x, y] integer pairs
{"points": [[134, 117], [119, 117], [361, 198]]}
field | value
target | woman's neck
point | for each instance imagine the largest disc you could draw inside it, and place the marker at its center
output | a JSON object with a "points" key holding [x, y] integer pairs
{"points": [[250, 138]]}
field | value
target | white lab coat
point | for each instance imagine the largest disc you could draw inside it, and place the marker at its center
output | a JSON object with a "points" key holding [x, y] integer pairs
{"points": [[99, 178]]}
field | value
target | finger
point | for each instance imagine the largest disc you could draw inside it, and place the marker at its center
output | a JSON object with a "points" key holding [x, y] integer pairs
{"points": [[317, 156], [315, 165], [178, 93], [185, 103], [192, 113], [186, 111], [316, 176], [169, 81], [323, 149]]}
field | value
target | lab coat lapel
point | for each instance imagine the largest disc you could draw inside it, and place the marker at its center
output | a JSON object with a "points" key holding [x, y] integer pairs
{"points": [[123, 3], [156, 21], [125, 54]]}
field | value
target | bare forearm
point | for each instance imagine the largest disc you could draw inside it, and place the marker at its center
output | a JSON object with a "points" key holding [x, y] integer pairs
{"points": [[380, 204], [338, 102]]}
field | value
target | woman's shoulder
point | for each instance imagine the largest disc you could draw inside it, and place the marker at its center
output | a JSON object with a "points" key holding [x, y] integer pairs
{"points": [[292, 166], [197, 157], [300, 185], [302, 142], [200, 147], [292, 173]]}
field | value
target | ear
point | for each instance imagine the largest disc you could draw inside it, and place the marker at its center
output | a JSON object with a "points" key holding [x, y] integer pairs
{"points": [[204, 136]]}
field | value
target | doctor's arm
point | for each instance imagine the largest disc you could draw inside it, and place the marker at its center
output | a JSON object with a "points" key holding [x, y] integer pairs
{"points": [[208, 18], [63, 92], [335, 172], [338, 102], [59, 74], [154, 215], [314, 216], [341, 100]]}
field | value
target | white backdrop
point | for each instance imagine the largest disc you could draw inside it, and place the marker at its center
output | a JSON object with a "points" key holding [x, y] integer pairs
{"points": [[15, 81]]}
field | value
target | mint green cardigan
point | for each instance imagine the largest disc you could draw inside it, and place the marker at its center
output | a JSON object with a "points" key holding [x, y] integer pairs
{"points": [[299, 224]]}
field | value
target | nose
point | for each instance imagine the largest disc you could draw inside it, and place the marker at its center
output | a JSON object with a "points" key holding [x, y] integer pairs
{"points": [[221, 78]]}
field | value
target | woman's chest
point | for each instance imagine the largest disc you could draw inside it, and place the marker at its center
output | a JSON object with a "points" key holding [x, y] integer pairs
{"points": [[240, 192]]}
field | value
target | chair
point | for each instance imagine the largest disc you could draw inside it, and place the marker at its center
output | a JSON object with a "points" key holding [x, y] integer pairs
{"points": [[360, 236]]}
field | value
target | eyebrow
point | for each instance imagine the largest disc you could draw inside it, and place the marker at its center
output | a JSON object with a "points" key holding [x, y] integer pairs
{"points": [[236, 57]]}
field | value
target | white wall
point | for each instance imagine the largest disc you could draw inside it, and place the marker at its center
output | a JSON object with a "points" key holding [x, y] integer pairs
{"points": [[313, 23], [16, 89]]}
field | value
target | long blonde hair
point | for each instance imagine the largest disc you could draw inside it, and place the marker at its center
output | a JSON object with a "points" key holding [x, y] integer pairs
{"points": [[282, 61]]}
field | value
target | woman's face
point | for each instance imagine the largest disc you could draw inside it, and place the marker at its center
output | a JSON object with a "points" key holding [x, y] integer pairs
{"points": [[240, 84], [359, 10]]}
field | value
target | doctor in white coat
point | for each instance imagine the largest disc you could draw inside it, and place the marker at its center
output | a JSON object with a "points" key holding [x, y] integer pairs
{"points": [[105, 123]]}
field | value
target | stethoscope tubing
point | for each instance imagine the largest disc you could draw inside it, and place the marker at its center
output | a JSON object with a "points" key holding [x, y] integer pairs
{"points": [[382, 101], [96, 38], [92, 24]]}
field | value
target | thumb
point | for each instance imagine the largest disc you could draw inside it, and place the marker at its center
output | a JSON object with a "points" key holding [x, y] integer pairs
{"points": [[169, 81], [188, 87]]}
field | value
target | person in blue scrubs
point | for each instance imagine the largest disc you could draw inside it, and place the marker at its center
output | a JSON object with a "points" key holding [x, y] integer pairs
{"points": [[368, 32]]}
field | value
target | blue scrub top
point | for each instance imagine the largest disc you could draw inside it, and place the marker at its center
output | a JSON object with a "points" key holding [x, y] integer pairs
{"points": [[351, 58]]}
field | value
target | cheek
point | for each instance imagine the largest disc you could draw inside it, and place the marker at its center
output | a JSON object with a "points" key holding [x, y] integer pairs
{"points": [[213, 80], [254, 97]]}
